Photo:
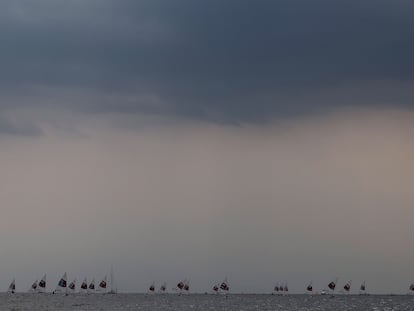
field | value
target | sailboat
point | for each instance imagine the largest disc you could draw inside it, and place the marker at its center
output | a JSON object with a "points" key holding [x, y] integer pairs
{"points": [[180, 286], [12, 287], [42, 285], [91, 288], [309, 288], [362, 289], [113, 289], [276, 288], [216, 288], [102, 286], [332, 285], [72, 286], [33, 288], [61, 287], [347, 286], [286, 288], [224, 286], [187, 286], [84, 286], [151, 289], [411, 287], [163, 288]]}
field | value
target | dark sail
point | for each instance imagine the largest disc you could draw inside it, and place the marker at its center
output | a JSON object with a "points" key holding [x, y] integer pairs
{"points": [[42, 284], [224, 286], [180, 285]]}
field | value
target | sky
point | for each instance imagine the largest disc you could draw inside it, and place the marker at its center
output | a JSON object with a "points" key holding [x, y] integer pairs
{"points": [[263, 141]]}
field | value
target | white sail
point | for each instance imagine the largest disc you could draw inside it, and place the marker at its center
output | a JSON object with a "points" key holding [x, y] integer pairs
{"points": [[41, 287], [163, 287], [187, 286], [309, 288], [33, 288], [84, 286], [91, 287], [332, 285], [151, 289], [362, 288], [103, 286], [61, 287], [72, 287], [113, 289], [12, 287], [347, 286], [224, 286], [286, 288], [180, 286]]}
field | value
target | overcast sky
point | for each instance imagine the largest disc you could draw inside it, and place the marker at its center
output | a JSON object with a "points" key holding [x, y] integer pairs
{"points": [[264, 141]]}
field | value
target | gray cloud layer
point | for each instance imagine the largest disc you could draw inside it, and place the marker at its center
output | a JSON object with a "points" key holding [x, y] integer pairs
{"points": [[222, 61]]}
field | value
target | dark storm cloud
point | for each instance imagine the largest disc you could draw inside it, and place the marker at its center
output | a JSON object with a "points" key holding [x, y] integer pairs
{"points": [[225, 61]]}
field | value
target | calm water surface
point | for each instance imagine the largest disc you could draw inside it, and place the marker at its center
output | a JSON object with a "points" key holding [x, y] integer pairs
{"points": [[203, 302]]}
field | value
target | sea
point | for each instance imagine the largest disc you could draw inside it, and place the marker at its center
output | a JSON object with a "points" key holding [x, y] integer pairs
{"points": [[243, 302]]}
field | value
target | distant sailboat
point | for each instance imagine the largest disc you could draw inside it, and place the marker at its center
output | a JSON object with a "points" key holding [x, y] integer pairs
{"points": [[42, 285], [332, 285], [286, 288], [72, 287], [33, 288], [224, 286], [91, 288], [276, 288], [163, 288], [187, 286], [362, 289], [411, 288], [84, 286], [347, 286], [113, 289], [180, 286], [102, 288], [61, 287], [216, 288], [12, 287], [309, 288], [151, 289]]}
